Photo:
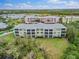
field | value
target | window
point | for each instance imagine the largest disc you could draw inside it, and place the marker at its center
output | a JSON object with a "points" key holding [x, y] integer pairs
{"points": [[62, 35], [50, 36], [41, 29], [48, 20], [28, 33], [46, 29], [33, 35], [38, 32], [46, 35], [33, 32], [50, 33], [33, 29], [20, 29], [16, 29], [16, 32], [63, 29], [46, 32], [41, 32], [50, 30], [28, 30]]}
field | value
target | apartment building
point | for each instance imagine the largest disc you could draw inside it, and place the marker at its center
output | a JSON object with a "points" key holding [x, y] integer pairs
{"points": [[3, 25], [68, 19], [13, 16], [44, 19], [40, 30]]}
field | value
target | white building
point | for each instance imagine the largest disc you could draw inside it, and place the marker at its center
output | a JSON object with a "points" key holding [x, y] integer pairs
{"points": [[13, 16], [40, 30], [44, 19], [3, 26], [68, 19]]}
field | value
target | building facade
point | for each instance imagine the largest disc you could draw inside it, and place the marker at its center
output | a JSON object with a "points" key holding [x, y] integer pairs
{"points": [[40, 30], [3, 25], [13, 16], [68, 19], [44, 19]]}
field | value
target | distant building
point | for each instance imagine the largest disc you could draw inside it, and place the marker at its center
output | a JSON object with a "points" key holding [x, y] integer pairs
{"points": [[3, 26], [68, 19], [13, 16], [44, 19], [40, 30]]}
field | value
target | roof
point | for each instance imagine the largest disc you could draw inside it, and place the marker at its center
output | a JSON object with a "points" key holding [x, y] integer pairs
{"points": [[72, 16], [3, 25], [39, 25], [42, 17]]}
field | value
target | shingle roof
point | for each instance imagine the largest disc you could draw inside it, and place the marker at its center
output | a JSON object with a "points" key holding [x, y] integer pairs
{"points": [[39, 25]]}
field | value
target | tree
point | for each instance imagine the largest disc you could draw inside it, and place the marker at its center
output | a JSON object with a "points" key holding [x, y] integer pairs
{"points": [[71, 34], [60, 20], [76, 42], [70, 57]]}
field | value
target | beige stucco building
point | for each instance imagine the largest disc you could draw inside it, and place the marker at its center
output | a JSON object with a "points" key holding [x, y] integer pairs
{"points": [[44, 19]]}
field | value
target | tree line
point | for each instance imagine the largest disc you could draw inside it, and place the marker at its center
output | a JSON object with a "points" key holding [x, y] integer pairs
{"points": [[46, 11]]}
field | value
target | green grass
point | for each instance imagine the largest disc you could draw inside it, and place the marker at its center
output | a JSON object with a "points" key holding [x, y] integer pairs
{"points": [[1, 33], [54, 47], [8, 38]]}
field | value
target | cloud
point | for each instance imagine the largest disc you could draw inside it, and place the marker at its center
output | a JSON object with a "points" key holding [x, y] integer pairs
{"points": [[72, 4], [8, 4], [51, 4], [42, 7], [66, 4], [24, 6], [16, 6], [28, 2], [53, 0], [29, 6], [56, 1]]}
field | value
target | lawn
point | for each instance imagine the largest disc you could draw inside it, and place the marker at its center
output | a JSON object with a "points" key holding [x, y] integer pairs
{"points": [[1, 33], [8, 38], [54, 47]]}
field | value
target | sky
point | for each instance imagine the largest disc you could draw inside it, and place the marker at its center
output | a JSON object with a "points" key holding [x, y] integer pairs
{"points": [[39, 4]]}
